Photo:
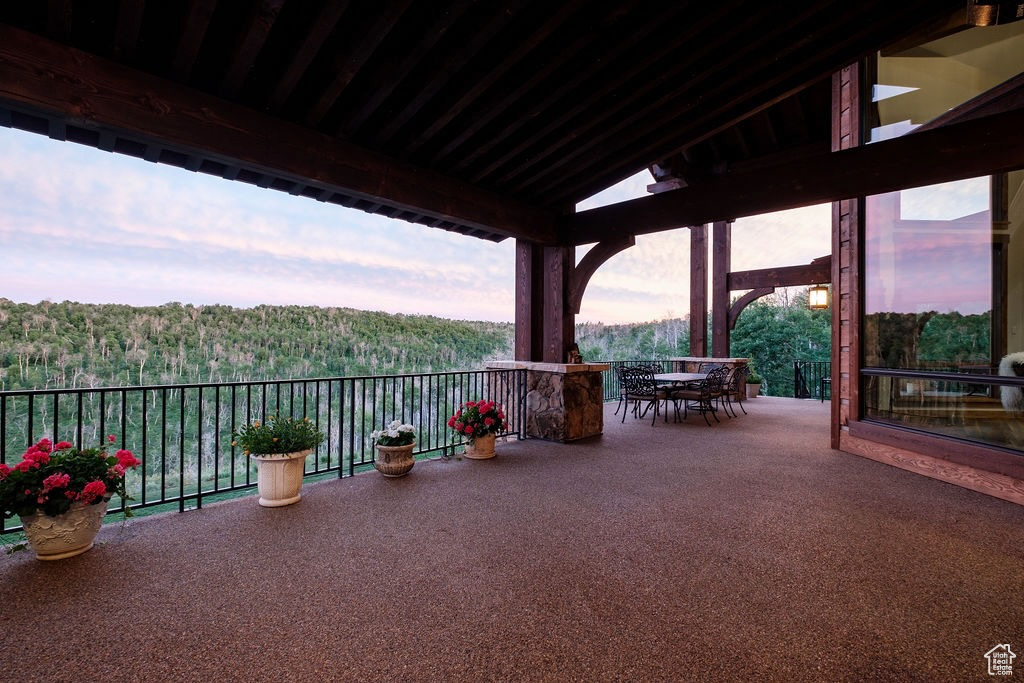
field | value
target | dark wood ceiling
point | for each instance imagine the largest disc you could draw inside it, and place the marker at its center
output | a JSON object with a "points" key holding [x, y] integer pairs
{"points": [[486, 119]]}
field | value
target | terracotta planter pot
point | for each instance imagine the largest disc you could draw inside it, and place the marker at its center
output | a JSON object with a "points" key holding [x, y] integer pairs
{"points": [[753, 390], [66, 535], [279, 477], [394, 461], [481, 448]]}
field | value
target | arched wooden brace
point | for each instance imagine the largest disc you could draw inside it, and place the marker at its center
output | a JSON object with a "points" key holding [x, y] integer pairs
{"points": [[744, 301], [588, 265]]}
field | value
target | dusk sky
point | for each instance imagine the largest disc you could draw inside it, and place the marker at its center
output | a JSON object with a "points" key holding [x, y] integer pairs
{"points": [[84, 225]]}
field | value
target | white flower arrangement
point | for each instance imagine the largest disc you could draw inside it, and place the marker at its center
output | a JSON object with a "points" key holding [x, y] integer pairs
{"points": [[395, 434]]}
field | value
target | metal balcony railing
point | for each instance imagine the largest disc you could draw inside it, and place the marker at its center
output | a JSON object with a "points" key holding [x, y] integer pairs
{"points": [[182, 432]]}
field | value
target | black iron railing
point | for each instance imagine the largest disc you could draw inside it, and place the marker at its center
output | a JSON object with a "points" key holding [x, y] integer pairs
{"points": [[182, 433], [812, 379]]}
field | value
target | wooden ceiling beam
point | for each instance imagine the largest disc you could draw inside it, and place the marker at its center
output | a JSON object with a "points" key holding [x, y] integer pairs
{"points": [[541, 96], [258, 25], [397, 69], [319, 30], [97, 93], [804, 62], [724, 62], [980, 146], [468, 96], [354, 56], [196, 23], [569, 104], [453, 63]]}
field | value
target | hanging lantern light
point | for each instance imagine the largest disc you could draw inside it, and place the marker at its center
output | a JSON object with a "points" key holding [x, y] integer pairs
{"points": [[817, 297]]}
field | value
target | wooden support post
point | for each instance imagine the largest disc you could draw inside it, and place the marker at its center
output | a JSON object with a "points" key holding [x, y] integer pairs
{"points": [[699, 291], [527, 309], [558, 329], [544, 319], [721, 248]]}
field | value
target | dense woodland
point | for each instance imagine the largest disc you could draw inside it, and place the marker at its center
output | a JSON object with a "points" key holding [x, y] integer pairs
{"points": [[72, 345]]}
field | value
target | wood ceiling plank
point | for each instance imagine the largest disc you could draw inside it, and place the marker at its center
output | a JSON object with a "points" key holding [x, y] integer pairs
{"points": [[640, 114], [126, 34], [980, 146], [389, 79], [258, 26], [450, 66], [570, 107], [468, 96], [321, 28], [99, 93], [193, 32], [528, 91], [720, 108], [352, 58]]}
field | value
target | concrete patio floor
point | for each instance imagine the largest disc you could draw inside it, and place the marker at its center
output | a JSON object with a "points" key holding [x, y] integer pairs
{"points": [[675, 552]]}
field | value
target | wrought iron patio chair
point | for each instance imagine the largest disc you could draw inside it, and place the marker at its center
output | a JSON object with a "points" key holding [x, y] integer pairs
{"points": [[701, 396], [732, 386], [638, 386]]}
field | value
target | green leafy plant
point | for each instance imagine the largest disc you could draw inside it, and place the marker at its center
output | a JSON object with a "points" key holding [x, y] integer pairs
{"points": [[277, 436], [395, 434], [752, 376], [478, 418], [51, 478]]}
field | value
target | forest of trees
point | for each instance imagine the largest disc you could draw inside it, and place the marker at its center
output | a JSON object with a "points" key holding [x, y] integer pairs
{"points": [[73, 345]]}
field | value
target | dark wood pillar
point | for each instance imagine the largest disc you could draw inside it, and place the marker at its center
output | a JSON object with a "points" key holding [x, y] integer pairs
{"points": [[699, 290], [721, 250], [544, 319], [528, 324]]}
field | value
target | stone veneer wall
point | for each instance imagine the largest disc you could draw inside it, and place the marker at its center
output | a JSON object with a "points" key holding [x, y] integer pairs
{"points": [[564, 402]]}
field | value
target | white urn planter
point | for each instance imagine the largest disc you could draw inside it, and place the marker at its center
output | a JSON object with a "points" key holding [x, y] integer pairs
{"points": [[753, 389], [65, 535], [279, 477], [481, 448]]}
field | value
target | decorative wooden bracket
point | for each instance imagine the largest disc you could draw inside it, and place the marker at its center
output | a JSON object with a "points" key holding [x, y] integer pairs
{"points": [[744, 301], [588, 265]]}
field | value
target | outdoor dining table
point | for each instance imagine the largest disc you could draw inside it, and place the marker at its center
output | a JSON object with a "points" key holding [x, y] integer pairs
{"points": [[679, 378]]}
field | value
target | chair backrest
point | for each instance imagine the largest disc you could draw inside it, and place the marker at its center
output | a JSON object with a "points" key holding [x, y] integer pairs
{"points": [[637, 381], [716, 379]]}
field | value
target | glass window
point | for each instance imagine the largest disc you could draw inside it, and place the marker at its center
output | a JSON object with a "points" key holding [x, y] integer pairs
{"points": [[943, 290]]}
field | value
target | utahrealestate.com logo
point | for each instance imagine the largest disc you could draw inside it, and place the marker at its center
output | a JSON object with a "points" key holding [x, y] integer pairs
{"points": [[1000, 660]]}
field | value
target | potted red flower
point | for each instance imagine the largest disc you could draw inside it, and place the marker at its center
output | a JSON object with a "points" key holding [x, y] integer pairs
{"points": [[61, 493], [479, 422]]}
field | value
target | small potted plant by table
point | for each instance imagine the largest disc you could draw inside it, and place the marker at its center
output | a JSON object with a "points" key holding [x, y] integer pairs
{"points": [[279, 447], [753, 383], [61, 493], [394, 449], [479, 421]]}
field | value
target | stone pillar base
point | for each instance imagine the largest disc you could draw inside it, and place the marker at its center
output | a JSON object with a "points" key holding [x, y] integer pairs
{"points": [[564, 402]]}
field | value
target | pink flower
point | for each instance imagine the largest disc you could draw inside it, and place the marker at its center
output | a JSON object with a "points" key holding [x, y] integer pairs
{"points": [[116, 471], [37, 457], [92, 491], [469, 430], [451, 421], [488, 421], [111, 438], [62, 446], [44, 445], [56, 481], [4, 470], [25, 465], [126, 459]]}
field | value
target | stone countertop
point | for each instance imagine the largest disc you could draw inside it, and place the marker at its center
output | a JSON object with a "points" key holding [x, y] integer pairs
{"points": [[559, 368]]}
